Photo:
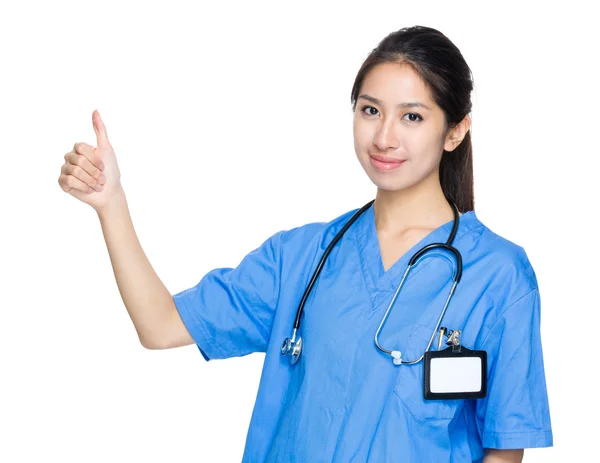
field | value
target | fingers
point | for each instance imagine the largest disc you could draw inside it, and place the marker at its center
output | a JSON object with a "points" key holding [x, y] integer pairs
{"points": [[78, 172], [69, 182], [90, 153], [70, 170], [81, 161]]}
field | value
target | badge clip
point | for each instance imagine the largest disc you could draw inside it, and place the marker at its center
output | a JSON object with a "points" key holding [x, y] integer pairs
{"points": [[454, 340]]}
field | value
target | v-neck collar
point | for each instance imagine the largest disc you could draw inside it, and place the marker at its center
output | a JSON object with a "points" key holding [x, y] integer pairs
{"points": [[370, 252]]}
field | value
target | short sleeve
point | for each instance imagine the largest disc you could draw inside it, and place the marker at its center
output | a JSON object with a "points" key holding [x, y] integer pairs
{"points": [[229, 313], [515, 414]]}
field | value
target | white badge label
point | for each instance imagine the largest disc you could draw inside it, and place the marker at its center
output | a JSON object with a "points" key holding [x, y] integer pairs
{"points": [[455, 374]]}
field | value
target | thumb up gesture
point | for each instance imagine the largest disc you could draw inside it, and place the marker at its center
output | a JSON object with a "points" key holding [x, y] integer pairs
{"points": [[91, 174]]}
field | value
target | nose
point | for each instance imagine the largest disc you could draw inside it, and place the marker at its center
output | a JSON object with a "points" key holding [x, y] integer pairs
{"points": [[385, 137]]}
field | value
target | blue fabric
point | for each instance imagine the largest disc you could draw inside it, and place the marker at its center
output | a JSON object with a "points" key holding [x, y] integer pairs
{"points": [[344, 401]]}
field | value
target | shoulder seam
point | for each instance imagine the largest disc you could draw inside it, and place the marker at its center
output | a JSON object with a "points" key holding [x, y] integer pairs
{"points": [[506, 310], [479, 227]]}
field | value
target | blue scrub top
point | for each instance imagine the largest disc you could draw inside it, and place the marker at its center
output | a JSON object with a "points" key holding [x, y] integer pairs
{"points": [[345, 401]]}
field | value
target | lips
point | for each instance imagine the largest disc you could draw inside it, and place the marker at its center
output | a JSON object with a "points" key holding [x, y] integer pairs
{"points": [[387, 159], [387, 164]]}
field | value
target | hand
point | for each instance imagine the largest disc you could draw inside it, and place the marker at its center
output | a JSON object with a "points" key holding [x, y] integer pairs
{"points": [[91, 174]]}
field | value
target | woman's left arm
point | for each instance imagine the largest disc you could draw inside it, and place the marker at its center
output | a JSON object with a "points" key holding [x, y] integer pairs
{"points": [[503, 456], [515, 413]]}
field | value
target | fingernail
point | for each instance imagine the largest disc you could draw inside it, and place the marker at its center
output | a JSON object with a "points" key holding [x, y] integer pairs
{"points": [[102, 179], [101, 166], [99, 187]]}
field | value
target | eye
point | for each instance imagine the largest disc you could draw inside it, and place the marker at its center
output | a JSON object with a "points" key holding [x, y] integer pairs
{"points": [[419, 118], [366, 108]]}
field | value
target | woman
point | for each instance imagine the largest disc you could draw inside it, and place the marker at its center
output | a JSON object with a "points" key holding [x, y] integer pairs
{"points": [[344, 400]]}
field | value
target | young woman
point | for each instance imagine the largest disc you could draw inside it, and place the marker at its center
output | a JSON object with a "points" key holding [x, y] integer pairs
{"points": [[344, 399]]}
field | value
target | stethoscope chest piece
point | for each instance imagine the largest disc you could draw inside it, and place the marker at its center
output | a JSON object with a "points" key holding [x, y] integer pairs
{"points": [[292, 348]]}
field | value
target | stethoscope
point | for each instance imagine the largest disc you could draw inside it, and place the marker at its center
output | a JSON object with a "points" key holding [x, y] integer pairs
{"points": [[293, 347]]}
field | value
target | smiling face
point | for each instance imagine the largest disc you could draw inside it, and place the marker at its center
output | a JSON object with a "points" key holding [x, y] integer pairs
{"points": [[396, 120]]}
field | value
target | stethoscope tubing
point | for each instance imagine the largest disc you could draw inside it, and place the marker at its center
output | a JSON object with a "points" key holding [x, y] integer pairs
{"points": [[322, 262], [294, 348]]}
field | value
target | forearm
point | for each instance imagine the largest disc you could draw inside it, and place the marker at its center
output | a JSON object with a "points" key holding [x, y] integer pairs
{"points": [[146, 298], [503, 456]]}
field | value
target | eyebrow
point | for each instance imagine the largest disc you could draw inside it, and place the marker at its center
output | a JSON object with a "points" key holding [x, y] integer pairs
{"points": [[412, 104]]}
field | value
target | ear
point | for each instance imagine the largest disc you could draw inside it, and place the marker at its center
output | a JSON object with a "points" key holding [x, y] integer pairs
{"points": [[455, 136]]}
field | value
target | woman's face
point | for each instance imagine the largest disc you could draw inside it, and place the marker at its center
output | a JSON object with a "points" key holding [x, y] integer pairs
{"points": [[413, 132]]}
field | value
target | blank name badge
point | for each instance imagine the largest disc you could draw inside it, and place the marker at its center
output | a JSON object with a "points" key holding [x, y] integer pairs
{"points": [[455, 374]]}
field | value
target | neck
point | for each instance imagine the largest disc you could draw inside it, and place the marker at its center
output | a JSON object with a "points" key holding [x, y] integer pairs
{"points": [[420, 206]]}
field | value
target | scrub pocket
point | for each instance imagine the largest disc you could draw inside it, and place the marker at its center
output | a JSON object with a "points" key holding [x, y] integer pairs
{"points": [[409, 382]]}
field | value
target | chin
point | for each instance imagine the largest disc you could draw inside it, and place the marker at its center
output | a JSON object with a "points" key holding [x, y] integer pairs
{"points": [[388, 182], [391, 186]]}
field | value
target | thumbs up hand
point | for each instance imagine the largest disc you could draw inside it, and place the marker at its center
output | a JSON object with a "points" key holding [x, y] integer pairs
{"points": [[91, 174]]}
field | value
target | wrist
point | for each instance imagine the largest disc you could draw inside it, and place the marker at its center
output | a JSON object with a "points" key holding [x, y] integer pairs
{"points": [[115, 203]]}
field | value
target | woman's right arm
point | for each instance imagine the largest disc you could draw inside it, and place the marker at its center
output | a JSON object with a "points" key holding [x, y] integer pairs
{"points": [[149, 304], [91, 174]]}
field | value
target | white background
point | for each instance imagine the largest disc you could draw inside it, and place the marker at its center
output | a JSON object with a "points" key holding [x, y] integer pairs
{"points": [[232, 121]]}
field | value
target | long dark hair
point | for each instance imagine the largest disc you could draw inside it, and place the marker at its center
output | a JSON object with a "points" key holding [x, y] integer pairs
{"points": [[441, 65]]}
